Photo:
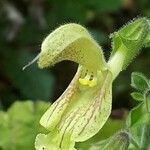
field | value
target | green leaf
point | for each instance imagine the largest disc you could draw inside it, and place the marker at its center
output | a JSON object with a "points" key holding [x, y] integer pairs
{"points": [[135, 122], [24, 116], [137, 96], [119, 141], [139, 81], [4, 131], [137, 116], [20, 124]]}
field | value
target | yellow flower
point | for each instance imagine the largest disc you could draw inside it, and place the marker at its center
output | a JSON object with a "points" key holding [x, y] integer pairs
{"points": [[81, 111]]}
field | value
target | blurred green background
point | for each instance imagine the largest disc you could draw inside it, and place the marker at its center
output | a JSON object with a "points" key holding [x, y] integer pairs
{"points": [[23, 26], [25, 23]]}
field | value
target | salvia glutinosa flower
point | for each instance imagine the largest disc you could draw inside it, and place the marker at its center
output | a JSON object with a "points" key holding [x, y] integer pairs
{"points": [[81, 111]]}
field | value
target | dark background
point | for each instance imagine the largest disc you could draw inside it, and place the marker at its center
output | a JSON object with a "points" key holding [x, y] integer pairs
{"points": [[25, 23]]}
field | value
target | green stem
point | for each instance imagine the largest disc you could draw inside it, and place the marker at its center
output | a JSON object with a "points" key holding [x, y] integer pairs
{"points": [[145, 139], [147, 100]]}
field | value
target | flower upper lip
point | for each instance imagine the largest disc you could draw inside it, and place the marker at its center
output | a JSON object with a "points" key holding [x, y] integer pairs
{"points": [[72, 42]]}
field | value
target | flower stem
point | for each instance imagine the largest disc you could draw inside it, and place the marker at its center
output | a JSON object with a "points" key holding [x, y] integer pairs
{"points": [[145, 144], [116, 62]]}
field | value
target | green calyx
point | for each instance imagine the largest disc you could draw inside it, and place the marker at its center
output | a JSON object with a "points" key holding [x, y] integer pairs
{"points": [[130, 40], [119, 141]]}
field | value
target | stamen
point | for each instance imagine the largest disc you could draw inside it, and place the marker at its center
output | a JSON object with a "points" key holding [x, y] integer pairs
{"points": [[85, 80], [93, 82], [86, 72], [89, 80], [91, 77]]}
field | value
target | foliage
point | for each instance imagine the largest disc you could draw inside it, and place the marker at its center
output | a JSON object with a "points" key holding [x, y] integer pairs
{"points": [[19, 125], [138, 121]]}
